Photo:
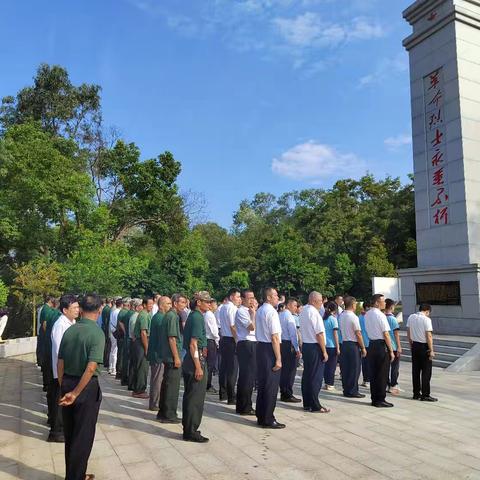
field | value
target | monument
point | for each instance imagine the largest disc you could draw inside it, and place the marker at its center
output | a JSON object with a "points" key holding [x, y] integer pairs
{"points": [[444, 52]]}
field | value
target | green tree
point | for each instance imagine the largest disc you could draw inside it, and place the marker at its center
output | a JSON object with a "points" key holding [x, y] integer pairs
{"points": [[3, 294], [343, 273], [237, 278]]}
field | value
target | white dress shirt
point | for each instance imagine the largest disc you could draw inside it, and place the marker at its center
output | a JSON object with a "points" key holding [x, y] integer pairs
{"points": [[227, 319], [113, 319], [242, 321], [376, 324], [349, 324], [267, 324], [211, 327], [311, 324], [419, 324], [154, 308], [217, 315], [59, 328], [289, 328]]}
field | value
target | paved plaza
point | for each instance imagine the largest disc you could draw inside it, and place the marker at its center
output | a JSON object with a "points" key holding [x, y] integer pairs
{"points": [[414, 440]]}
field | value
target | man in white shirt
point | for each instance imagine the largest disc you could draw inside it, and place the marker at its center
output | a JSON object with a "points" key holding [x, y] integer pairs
{"points": [[352, 349], [70, 312], [340, 304], [290, 351], [380, 352], [420, 337], [246, 353], [213, 339], [314, 353], [269, 359], [112, 368], [228, 362], [156, 299]]}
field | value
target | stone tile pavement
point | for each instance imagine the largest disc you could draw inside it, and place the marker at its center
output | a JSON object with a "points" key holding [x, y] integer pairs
{"points": [[414, 440]]}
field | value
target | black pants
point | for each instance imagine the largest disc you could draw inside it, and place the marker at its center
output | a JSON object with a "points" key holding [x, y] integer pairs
{"points": [[394, 371], [247, 369], [289, 369], [120, 353], [379, 363], [193, 396], [351, 365], [211, 360], [79, 422], [49, 383], [131, 364], [140, 367], [421, 369], [267, 384], [228, 369], [313, 368], [169, 392], [125, 361], [330, 366], [365, 368], [106, 352], [56, 426]]}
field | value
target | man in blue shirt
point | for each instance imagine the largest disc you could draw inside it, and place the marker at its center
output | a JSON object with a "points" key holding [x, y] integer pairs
{"points": [[396, 345], [366, 341]]}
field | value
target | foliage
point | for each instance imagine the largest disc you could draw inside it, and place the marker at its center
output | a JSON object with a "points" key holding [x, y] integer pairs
{"points": [[237, 278], [3, 294]]}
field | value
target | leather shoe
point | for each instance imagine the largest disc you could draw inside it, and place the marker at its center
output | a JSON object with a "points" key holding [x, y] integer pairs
{"points": [[250, 412], [382, 404], [196, 437], [355, 395], [170, 420], [56, 438], [429, 399], [274, 425], [291, 399], [231, 402], [416, 397]]}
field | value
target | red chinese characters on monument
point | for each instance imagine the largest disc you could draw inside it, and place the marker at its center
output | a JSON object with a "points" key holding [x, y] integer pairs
{"points": [[434, 95]]}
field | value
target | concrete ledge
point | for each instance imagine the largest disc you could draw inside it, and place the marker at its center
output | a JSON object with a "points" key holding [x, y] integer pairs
{"points": [[18, 346], [468, 362]]}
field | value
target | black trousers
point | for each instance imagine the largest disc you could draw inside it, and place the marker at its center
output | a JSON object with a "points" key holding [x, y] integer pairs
{"points": [[247, 369], [394, 371], [120, 353], [56, 426], [140, 367], [169, 392], [421, 369], [131, 364], [365, 368], [125, 361], [49, 383], [211, 360], [313, 368], [228, 369], [289, 369], [79, 422], [330, 366], [267, 384], [106, 352], [193, 396], [350, 360], [378, 363]]}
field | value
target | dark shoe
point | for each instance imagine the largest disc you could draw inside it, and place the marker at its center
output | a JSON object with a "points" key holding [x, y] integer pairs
{"points": [[416, 397], [56, 438], [124, 384], [306, 409], [429, 399], [222, 399], [275, 425], [382, 404], [197, 438], [251, 412], [143, 395], [212, 390], [356, 395], [170, 420], [291, 399], [231, 402]]}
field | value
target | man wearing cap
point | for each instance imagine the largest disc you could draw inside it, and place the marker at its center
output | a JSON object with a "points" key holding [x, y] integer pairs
{"points": [[269, 361], [195, 369]]}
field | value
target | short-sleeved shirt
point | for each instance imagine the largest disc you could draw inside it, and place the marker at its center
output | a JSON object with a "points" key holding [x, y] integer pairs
{"points": [[142, 323], [154, 354], [227, 318], [376, 324], [106, 317], [131, 325], [267, 323], [366, 340], [311, 324], [170, 328], [125, 320], [330, 325], [82, 343], [419, 324], [349, 324], [289, 328], [392, 321], [195, 328], [50, 318], [242, 321]]}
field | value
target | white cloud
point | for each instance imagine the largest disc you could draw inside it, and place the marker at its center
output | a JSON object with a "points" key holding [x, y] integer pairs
{"points": [[399, 141], [384, 69], [314, 161]]}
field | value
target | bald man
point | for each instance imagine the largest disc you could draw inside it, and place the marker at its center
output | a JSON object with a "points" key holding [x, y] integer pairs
{"points": [[154, 355]]}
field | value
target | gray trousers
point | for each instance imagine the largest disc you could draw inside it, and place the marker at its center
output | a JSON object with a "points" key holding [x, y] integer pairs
{"points": [[156, 377]]}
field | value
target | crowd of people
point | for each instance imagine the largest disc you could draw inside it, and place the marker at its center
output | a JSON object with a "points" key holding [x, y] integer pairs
{"points": [[251, 346]]}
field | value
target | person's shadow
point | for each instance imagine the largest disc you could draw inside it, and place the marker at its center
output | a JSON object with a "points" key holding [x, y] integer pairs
{"points": [[22, 471]]}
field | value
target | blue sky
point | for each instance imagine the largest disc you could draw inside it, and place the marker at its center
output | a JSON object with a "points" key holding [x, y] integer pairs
{"points": [[250, 95]]}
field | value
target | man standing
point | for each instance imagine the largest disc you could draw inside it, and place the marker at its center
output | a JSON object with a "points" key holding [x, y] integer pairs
{"points": [[290, 351], [154, 355], [70, 311], [213, 339], [380, 352], [195, 369], [314, 353], [228, 362], [171, 338], [269, 359], [366, 342], [113, 327], [42, 312], [396, 345], [105, 316], [80, 353], [352, 349], [246, 353], [123, 321], [420, 337], [137, 307]]}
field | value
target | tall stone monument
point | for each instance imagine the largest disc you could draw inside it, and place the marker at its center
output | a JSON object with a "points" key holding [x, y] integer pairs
{"points": [[444, 51]]}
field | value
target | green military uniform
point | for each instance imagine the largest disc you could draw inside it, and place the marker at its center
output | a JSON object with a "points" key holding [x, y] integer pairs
{"points": [[154, 357], [170, 388], [82, 343], [125, 320], [41, 336], [194, 394], [139, 382], [131, 349]]}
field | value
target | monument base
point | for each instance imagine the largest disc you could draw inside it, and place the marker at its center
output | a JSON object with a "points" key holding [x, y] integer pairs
{"points": [[462, 318], [18, 346]]}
